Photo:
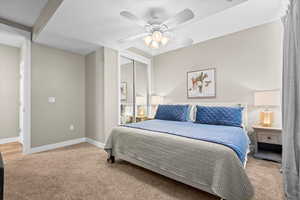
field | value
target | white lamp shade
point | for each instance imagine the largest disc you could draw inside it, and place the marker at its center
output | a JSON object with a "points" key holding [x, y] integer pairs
{"points": [[267, 98], [148, 40], [156, 36], [156, 100], [154, 45], [164, 40], [140, 100]]}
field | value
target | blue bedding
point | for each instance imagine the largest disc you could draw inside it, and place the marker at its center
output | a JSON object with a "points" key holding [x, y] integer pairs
{"points": [[232, 137]]}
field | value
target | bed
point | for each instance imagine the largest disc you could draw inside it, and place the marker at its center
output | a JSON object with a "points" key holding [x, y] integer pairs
{"points": [[214, 164]]}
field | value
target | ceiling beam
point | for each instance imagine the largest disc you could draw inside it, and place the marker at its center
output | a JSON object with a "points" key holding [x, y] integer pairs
{"points": [[15, 25], [46, 14]]}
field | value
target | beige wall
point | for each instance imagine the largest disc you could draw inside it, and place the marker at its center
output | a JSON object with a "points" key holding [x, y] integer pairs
{"points": [[9, 91], [245, 61], [59, 74], [102, 91], [94, 65], [111, 89]]}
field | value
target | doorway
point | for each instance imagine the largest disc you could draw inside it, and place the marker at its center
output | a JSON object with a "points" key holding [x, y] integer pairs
{"points": [[15, 86], [10, 94]]}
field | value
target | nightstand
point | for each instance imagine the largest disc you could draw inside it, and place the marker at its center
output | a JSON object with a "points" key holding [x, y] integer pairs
{"points": [[268, 143]]}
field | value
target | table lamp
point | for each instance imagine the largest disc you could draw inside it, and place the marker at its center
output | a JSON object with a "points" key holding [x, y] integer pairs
{"points": [[155, 101], [267, 99]]}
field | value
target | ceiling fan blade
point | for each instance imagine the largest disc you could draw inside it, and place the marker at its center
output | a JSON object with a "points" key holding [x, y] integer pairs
{"points": [[132, 38], [184, 42], [187, 42], [179, 18], [133, 18]]}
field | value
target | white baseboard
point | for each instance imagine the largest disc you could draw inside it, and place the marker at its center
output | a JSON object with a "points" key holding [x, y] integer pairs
{"points": [[57, 145], [94, 142], [9, 140], [64, 144]]}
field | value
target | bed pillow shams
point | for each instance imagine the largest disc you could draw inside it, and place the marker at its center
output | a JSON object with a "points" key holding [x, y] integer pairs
{"points": [[172, 112], [217, 115]]}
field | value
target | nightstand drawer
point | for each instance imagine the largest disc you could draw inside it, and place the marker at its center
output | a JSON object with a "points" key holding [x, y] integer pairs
{"points": [[269, 138]]}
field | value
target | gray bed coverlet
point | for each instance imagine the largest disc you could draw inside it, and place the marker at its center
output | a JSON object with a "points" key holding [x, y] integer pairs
{"points": [[210, 167]]}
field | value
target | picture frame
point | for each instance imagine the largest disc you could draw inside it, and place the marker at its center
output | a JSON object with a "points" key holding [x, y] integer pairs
{"points": [[123, 91], [201, 83]]}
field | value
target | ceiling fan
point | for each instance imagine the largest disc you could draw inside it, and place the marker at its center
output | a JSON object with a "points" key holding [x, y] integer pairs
{"points": [[156, 33]]}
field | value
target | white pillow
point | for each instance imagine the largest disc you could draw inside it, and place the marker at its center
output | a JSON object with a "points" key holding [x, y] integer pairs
{"points": [[193, 110]]}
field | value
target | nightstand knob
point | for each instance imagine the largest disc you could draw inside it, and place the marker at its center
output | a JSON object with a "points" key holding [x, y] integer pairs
{"points": [[269, 138]]}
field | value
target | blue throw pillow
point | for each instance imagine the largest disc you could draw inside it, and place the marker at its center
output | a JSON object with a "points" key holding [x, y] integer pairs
{"points": [[172, 112], [227, 116]]}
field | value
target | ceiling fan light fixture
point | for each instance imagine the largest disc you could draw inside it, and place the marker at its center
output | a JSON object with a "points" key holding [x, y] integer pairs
{"points": [[157, 36], [148, 40], [154, 45], [164, 40]]}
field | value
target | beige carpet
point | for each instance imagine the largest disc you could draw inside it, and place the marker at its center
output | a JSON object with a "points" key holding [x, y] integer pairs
{"points": [[11, 151], [81, 172]]}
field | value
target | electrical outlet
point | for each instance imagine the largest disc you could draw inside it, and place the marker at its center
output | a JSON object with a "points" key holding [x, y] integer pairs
{"points": [[51, 99], [72, 128]]}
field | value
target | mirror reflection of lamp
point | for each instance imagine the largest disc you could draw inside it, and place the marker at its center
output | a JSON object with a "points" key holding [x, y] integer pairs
{"points": [[126, 113], [267, 99], [141, 101], [155, 101]]}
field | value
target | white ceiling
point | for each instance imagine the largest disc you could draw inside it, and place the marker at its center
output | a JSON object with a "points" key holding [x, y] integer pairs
{"points": [[81, 27], [22, 11], [67, 43], [99, 21], [12, 36]]}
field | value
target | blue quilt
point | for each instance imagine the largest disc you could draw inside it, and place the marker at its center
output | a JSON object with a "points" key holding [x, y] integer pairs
{"points": [[232, 137]]}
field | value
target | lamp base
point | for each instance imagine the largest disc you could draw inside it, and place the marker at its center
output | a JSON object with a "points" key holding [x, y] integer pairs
{"points": [[266, 118]]}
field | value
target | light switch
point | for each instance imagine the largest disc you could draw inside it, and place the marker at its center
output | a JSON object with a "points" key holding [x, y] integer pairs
{"points": [[51, 99]]}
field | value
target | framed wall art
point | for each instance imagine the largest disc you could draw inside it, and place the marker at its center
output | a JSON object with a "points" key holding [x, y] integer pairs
{"points": [[201, 83]]}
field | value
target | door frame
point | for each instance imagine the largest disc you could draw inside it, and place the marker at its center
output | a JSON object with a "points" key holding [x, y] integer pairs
{"points": [[22, 39], [135, 57]]}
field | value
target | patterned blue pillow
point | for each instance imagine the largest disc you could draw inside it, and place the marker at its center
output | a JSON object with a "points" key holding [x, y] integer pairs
{"points": [[227, 116], [172, 112]]}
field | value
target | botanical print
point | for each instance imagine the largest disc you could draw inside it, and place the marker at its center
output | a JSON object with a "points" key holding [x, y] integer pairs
{"points": [[201, 83], [123, 91]]}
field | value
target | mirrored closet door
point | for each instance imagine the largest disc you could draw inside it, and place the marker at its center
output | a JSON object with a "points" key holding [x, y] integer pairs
{"points": [[141, 91], [134, 90]]}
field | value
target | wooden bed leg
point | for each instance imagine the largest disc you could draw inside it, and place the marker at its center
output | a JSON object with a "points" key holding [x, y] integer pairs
{"points": [[111, 159]]}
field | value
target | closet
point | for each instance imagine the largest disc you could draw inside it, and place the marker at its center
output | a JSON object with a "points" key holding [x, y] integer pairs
{"points": [[134, 89]]}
